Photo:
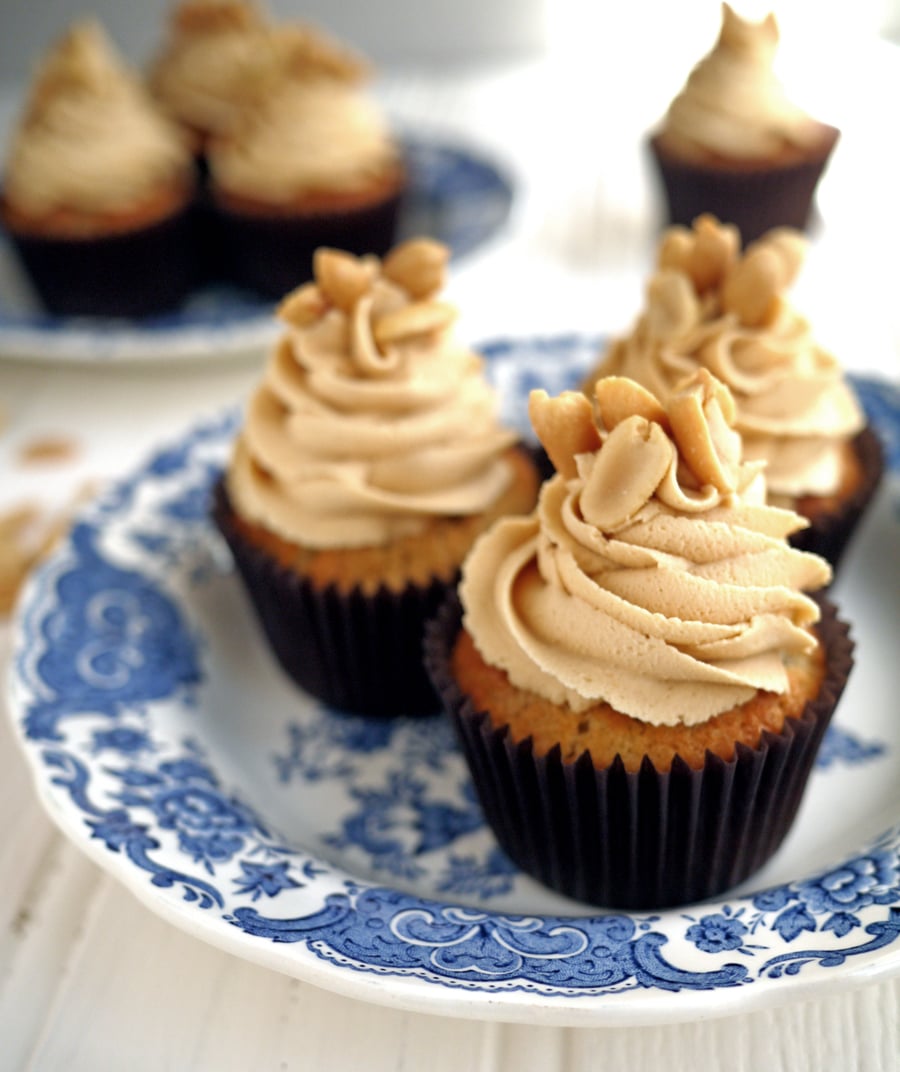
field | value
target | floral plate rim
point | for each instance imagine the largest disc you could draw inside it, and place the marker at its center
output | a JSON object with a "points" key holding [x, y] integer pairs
{"points": [[362, 939], [459, 192]]}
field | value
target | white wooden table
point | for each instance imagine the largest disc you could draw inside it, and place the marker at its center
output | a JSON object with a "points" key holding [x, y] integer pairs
{"points": [[89, 978]]}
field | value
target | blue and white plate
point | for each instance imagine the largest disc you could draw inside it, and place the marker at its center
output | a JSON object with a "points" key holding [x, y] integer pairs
{"points": [[351, 853], [455, 194]]}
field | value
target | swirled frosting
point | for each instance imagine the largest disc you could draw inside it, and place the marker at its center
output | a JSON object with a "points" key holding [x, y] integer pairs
{"points": [[90, 139], [303, 138], [371, 417], [733, 105], [219, 58], [652, 575], [710, 307]]}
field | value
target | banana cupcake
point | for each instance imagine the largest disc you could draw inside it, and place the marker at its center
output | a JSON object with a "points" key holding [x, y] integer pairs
{"points": [[311, 164], [710, 305], [733, 144], [98, 187], [638, 680], [369, 460]]}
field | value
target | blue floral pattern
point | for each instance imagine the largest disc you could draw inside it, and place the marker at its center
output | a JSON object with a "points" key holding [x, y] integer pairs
{"points": [[111, 687]]}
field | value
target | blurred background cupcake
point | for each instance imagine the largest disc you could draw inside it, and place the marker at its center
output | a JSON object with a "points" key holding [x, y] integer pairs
{"points": [[709, 305], [369, 460], [98, 186], [638, 680], [312, 163], [731, 142]]}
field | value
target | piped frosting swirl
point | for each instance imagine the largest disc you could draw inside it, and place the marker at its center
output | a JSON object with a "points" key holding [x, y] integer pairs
{"points": [[733, 105], [371, 418], [652, 575], [708, 306], [90, 138]]}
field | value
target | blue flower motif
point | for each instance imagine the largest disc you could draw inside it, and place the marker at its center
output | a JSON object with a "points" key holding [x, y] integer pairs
{"points": [[122, 739], [716, 933], [210, 848], [198, 808], [840, 923], [866, 880], [773, 900], [268, 879]]}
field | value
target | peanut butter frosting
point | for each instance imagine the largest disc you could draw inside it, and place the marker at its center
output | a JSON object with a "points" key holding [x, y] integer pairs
{"points": [[709, 306], [90, 139], [220, 57], [371, 418], [733, 105], [306, 137], [652, 575]]}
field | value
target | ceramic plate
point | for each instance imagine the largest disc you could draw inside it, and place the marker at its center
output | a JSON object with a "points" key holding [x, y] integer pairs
{"points": [[455, 195], [351, 853]]}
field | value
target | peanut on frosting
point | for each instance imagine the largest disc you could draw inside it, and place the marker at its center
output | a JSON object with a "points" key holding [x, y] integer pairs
{"points": [[652, 575], [371, 418], [710, 305]]}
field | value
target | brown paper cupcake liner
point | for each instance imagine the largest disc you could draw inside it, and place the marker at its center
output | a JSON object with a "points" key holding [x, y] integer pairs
{"points": [[648, 839], [829, 534], [754, 200], [273, 254], [358, 653], [130, 274]]}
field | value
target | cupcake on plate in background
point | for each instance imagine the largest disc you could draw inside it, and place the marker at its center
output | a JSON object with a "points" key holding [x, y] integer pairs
{"points": [[98, 187], [710, 305], [312, 164], [638, 680], [732, 143], [218, 58], [369, 460]]}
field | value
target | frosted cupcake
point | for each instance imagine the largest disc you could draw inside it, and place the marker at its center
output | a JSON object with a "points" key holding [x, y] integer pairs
{"points": [[312, 164], [639, 682], [732, 143], [98, 186], [710, 306], [369, 460]]}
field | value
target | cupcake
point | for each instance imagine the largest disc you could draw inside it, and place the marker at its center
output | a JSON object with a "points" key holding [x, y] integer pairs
{"points": [[732, 143], [710, 305], [98, 187], [637, 678], [312, 164], [369, 460]]}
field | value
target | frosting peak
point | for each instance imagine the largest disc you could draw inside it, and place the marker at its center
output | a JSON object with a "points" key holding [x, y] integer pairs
{"points": [[652, 575], [90, 139], [710, 306], [371, 418], [733, 105]]}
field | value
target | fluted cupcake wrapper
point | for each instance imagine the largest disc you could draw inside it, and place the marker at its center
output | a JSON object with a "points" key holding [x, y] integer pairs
{"points": [[829, 534], [755, 200], [647, 839], [273, 254], [131, 273], [356, 652]]}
